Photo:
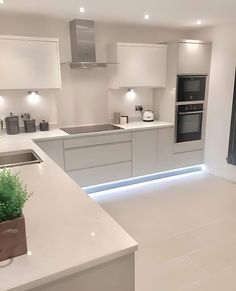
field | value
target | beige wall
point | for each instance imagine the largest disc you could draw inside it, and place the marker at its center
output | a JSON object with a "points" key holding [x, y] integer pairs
{"points": [[84, 98], [220, 98]]}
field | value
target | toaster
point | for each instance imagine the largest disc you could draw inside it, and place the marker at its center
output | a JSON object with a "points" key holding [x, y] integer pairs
{"points": [[148, 115]]}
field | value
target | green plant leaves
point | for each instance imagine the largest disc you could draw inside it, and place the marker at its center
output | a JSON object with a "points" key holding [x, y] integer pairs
{"points": [[13, 195]]}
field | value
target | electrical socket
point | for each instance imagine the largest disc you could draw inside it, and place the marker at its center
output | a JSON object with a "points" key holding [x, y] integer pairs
{"points": [[138, 107]]}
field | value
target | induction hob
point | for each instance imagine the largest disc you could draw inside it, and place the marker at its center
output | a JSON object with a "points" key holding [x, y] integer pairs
{"points": [[91, 128]]}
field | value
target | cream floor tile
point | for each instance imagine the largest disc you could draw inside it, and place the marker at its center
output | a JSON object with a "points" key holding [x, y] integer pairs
{"points": [[216, 257], [170, 276], [159, 250], [221, 230], [222, 281], [185, 227]]}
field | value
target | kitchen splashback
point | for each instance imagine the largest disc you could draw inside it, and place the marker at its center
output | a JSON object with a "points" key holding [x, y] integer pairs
{"points": [[42, 106]]}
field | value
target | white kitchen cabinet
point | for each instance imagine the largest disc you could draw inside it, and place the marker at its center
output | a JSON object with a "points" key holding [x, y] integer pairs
{"points": [[92, 156], [187, 159], [139, 65], [54, 149], [29, 63], [144, 152], [96, 140], [101, 174], [194, 58], [165, 144]]}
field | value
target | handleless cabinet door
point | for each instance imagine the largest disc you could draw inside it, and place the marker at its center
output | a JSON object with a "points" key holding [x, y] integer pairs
{"points": [[194, 58], [144, 152], [27, 63], [142, 66], [165, 149], [54, 149], [138, 65], [94, 156]]}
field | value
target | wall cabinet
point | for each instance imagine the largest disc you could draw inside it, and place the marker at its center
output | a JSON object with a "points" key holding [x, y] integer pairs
{"points": [[139, 65], [29, 63], [194, 58]]}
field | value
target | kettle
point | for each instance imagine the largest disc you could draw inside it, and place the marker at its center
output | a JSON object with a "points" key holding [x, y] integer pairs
{"points": [[148, 115]]}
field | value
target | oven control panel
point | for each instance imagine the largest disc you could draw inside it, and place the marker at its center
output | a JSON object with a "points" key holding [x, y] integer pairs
{"points": [[190, 107]]}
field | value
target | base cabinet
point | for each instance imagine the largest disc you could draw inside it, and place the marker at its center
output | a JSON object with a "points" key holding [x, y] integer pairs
{"points": [[115, 275], [144, 152], [188, 159], [106, 158], [54, 149], [165, 145], [103, 174]]}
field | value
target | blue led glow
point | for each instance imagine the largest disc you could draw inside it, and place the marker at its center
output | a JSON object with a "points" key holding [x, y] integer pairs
{"points": [[141, 179]]}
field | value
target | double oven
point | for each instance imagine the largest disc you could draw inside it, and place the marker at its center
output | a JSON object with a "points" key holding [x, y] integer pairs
{"points": [[190, 107]]}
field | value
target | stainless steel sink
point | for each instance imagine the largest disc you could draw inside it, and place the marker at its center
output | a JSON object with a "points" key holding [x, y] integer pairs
{"points": [[19, 158]]}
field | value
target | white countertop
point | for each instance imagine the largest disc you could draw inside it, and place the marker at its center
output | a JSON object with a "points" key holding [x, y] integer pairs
{"points": [[129, 127], [141, 125], [67, 231]]}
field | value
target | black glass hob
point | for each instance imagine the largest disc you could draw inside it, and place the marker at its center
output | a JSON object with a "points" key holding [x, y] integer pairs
{"points": [[90, 128]]}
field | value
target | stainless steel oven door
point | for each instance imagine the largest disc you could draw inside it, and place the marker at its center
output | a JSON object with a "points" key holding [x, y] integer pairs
{"points": [[189, 126]]}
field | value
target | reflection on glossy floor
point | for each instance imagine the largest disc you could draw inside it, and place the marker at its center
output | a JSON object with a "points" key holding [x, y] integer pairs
{"points": [[186, 230]]}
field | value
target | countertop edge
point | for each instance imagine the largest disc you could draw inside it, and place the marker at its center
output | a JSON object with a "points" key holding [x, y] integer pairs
{"points": [[72, 271], [122, 130]]}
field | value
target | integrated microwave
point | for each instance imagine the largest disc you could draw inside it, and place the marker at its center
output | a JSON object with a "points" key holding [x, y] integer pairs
{"points": [[191, 88]]}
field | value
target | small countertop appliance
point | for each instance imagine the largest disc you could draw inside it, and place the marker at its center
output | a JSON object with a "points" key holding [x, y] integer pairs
{"points": [[148, 115]]}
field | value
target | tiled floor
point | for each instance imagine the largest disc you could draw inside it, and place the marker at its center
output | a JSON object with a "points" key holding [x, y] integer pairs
{"points": [[186, 230]]}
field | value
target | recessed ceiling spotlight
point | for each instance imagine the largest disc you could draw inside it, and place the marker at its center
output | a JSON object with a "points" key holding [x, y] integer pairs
{"points": [[2, 1], [199, 22], [146, 16], [82, 9]]}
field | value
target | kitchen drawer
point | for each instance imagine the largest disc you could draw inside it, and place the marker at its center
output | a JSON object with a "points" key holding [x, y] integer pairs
{"points": [[187, 159], [93, 156], [96, 140], [103, 174]]}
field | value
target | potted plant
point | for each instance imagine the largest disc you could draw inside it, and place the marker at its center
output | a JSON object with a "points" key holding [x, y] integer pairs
{"points": [[13, 195]]}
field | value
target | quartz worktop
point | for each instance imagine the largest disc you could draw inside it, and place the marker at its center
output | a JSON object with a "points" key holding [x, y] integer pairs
{"points": [[142, 125], [67, 231], [60, 134]]}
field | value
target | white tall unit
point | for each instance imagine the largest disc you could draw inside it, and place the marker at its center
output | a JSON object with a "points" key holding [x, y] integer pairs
{"points": [[194, 58], [29, 63]]}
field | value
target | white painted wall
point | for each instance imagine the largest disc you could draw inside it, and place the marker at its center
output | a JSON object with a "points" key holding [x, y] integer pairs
{"points": [[124, 102], [41, 107], [84, 97], [220, 98]]}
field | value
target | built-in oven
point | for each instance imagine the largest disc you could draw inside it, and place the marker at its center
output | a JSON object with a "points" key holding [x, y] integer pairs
{"points": [[191, 88], [189, 122]]}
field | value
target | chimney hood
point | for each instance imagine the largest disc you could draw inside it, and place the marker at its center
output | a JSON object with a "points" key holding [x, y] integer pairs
{"points": [[83, 46]]}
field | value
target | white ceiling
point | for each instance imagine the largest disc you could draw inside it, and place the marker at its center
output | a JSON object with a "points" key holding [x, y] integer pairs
{"points": [[171, 13]]}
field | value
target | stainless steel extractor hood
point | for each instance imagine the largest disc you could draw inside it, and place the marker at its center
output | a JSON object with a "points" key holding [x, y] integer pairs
{"points": [[83, 46]]}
